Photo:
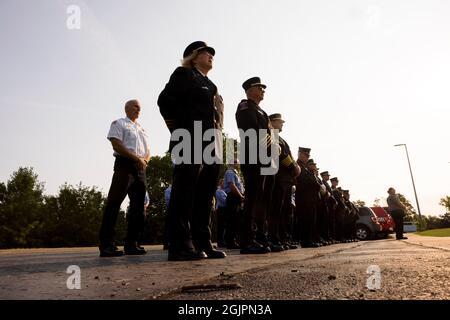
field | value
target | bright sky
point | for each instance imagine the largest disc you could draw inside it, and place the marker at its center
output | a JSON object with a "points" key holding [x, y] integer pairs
{"points": [[351, 77]]}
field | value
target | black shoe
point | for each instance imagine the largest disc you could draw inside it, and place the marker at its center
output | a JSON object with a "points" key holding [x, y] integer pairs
{"points": [[255, 249], [402, 238], [110, 251], [134, 251], [276, 247], [215, 254], [186, 255], [233, 245]]}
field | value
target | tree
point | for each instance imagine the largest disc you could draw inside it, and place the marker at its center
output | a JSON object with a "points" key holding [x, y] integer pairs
{"points": [[21, 202], [377, 202], [159, 177], [410, 213], [360, 203], [2, 192], [73, 217], [445, 220], [445, 202]]}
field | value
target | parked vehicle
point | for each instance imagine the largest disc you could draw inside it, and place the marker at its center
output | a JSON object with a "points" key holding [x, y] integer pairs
{"points": [[367, 225], [385, 219]]}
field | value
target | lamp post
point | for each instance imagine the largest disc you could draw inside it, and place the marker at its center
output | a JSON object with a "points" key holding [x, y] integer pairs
{"points": [[412, 178]]}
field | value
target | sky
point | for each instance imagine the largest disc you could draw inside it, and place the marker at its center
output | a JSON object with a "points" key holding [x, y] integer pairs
{"points": [[352, 78]]}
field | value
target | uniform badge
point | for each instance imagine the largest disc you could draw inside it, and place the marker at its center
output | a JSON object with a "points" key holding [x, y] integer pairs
{"points": [[243, 106]]}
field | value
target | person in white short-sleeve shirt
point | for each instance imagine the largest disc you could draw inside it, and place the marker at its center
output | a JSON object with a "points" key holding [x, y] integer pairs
{"points": [[133, 136], [131, 149]]}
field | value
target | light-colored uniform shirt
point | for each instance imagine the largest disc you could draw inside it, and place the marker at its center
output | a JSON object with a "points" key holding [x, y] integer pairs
{"points": [[230, 177], [167, 195], [394, 203], [132, 135], [221, 198], [146, 199]]}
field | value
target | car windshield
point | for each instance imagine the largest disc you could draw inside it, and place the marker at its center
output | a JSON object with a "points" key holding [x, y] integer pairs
{"points": [[364, 211]]}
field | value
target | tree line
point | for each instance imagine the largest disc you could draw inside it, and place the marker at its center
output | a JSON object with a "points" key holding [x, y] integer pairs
{"points": [[72, 217], [29, 218]]}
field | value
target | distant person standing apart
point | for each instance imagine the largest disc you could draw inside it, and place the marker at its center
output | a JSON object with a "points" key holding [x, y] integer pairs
{"points": [[191, 98], [397, 211], [131, 150]]}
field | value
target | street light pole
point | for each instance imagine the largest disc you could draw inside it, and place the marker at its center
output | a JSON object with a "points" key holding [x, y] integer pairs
{"points": [[412, 178]]}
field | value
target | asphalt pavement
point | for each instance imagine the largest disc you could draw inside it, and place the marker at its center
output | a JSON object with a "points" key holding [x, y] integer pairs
{"points": [[417, 268]]}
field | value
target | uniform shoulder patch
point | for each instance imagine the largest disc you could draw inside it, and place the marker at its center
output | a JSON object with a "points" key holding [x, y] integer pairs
{"points": [[243, 105]]}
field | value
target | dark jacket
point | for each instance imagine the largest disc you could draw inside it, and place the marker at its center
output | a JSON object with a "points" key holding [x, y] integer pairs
{"points": [[307, 188], [187, 97], [250, 116], [286, 163], [331, 201], [340, 201]]}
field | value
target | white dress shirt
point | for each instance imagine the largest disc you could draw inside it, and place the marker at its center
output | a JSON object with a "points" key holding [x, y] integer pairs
{"points": [[132, 135]]}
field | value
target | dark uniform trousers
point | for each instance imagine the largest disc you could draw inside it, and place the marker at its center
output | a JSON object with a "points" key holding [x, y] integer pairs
{"points": [[350, 220], [258, 190], [232, 218], [127, 180], [355, 218], [307, 219], [287, 216], [331, 204], [398, 216], [277, 219], [331, 207], [339, 215], [323, 220], [306, 200], [193, 189], [331, 221], [339, 226], [221, 213]]}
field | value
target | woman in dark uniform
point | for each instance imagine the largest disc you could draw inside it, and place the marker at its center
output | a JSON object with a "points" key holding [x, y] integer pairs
{"points": [[188, 97]]}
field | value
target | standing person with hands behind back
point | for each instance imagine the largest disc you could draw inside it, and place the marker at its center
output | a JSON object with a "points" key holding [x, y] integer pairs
{"points": [[397, 211], [131, 150]]}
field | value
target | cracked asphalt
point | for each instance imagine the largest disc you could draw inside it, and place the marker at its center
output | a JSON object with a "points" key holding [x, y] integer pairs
{"points": [[417, 268]]}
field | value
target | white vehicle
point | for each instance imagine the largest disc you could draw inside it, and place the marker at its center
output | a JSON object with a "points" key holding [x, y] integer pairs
{"points": [[409, 227]]}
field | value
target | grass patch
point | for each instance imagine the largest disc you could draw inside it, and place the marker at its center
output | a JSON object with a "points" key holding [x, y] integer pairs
{"points": [[435, 233]]}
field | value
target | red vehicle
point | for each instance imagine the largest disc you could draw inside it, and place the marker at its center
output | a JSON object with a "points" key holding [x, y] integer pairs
{"points": [[385, 219]]}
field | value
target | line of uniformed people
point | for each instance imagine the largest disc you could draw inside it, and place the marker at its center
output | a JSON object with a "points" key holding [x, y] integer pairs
{"points": [[302, 207], [268, 223], [324, 214]]}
